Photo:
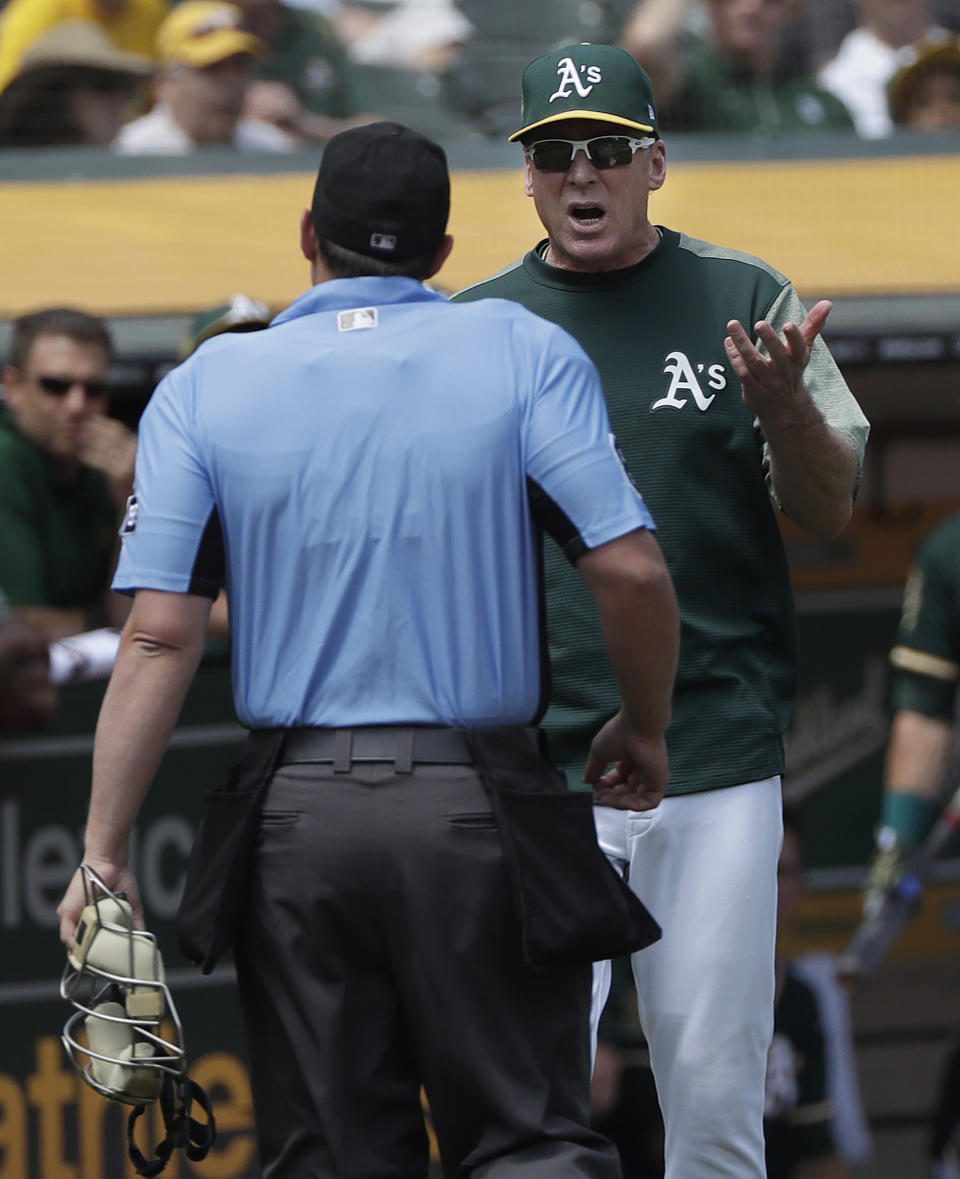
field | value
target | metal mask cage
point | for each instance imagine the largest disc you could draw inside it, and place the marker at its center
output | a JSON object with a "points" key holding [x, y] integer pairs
{"points": [[145, 1001]]}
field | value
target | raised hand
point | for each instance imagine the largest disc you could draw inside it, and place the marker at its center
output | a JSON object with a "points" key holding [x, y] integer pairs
{"points": [[773, 380]]}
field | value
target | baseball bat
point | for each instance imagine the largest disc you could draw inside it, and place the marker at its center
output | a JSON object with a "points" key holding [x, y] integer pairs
{"points": [[876, 934]]}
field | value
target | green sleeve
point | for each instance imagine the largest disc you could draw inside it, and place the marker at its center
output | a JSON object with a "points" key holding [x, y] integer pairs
{"points": [[926, 657], [822, 377]]}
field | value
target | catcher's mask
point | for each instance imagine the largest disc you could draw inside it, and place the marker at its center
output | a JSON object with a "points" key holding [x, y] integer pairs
{"points": [[132, 1048]]}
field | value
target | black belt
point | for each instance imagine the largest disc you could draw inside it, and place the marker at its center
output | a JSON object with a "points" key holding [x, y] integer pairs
{"points": [[404, 745]]}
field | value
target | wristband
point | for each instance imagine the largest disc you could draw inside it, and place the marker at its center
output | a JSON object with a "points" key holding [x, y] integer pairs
{"points": [[909, 816]]}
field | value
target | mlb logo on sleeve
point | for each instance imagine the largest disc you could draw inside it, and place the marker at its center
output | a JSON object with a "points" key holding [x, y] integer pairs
{"points": [[130, 513]]}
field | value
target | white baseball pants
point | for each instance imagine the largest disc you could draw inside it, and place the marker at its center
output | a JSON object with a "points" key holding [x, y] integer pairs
{"points": [[705, 865]]}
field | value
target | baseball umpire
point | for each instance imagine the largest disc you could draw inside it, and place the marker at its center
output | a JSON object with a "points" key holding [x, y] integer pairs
{"points": [[368, 475]]}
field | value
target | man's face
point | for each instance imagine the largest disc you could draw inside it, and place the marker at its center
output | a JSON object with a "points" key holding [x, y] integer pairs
{"points": [[745, 28], [896, 22], [100, 110], [935, 104], [884, 10], [596, 218], [55, 421], [207, 102]]}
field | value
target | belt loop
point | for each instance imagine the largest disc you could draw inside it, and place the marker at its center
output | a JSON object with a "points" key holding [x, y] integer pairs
{"points": [[342, 751], [403, 760]]}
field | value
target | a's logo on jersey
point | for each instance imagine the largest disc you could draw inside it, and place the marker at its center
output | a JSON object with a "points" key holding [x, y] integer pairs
{"points": [[318, 75], [357, 318], [780, 1089], [569, 77], [130, 513], [685, 378]]}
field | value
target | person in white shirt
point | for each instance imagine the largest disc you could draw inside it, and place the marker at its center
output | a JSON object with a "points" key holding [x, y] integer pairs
{"points": [[415, 34], [206, 66], [869, 56]]}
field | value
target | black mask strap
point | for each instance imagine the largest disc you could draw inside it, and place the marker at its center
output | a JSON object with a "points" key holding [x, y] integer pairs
{"points": [[176, 1099]]}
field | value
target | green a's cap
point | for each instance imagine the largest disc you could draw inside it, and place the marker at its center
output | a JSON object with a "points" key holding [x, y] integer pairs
{"points": [[597, 82]]}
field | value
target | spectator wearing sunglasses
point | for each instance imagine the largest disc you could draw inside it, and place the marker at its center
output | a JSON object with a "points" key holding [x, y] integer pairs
{"points": [[727, 408], [65, 470]]}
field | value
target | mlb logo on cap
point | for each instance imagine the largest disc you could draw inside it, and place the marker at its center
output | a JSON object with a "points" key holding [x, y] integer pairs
{"points": [[382, 191]]}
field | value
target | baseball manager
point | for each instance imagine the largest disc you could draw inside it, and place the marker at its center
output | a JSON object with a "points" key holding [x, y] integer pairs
{"points": [[720, 428]]}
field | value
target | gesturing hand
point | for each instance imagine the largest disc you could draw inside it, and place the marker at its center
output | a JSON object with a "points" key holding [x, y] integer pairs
{"points": [[771, 382]]}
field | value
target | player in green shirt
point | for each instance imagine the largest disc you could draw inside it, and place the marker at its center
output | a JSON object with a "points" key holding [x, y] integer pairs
{"points": [[718, 432], [921, 750], [926, 662]]}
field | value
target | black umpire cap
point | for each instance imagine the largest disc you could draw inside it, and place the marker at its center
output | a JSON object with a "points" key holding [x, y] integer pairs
{"points": [[382, 191]]}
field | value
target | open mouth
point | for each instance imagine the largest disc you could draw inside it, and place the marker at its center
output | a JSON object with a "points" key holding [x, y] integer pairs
{"points": [[587, 214]]}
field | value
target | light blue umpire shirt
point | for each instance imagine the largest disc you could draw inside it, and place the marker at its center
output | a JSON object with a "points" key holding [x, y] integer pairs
{"points": [[370, 474]]}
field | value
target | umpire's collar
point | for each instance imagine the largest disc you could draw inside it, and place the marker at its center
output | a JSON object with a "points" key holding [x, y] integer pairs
{"points": [[341, 294]]}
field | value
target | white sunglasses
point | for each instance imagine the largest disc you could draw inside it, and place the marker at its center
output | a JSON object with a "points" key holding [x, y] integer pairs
{"points": [[603, 151]]}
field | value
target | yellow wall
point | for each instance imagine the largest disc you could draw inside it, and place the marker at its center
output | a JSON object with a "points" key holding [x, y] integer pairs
{"points": [[165, 244], [828, 920]]}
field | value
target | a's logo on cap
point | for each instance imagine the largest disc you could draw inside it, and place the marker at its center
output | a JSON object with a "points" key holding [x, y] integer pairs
{"points": [[569, 77], [383, 241]]}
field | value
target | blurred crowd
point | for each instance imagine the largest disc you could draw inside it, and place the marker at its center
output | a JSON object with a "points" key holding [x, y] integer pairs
{"points": [[146, 77]]}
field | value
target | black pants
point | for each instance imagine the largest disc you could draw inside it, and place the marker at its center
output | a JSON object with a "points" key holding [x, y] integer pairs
{"points": [[380, 953]]}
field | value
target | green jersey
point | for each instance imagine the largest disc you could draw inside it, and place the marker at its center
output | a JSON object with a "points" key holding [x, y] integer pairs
{"points": [[307, 56], [655, 331], [719, 96], [927, 654], [56, 534]]}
